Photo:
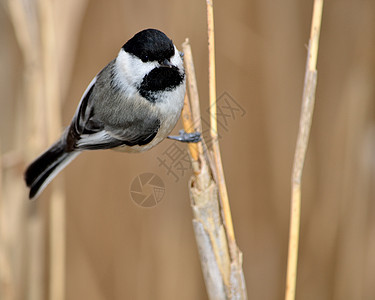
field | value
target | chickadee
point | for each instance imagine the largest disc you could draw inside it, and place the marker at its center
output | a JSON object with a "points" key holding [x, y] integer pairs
{"points": [[130, 106]]}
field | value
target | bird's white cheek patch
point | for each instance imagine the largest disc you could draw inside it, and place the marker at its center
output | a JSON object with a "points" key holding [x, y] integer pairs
{"points": [[132, 69]]}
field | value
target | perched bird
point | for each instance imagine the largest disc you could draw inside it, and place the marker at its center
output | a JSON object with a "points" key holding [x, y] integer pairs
{"points": [[130, 106]]}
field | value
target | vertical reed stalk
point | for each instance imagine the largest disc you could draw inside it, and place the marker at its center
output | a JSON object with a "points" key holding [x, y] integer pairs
{"points": [[53, 117], [308, 100], [214, 134]]}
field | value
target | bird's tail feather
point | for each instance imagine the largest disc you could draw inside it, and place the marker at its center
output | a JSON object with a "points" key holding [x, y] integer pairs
{"points": [[40, 173]]}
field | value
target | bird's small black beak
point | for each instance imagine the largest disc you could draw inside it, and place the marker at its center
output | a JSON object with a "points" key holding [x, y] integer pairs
{"points": [[165, 63]]}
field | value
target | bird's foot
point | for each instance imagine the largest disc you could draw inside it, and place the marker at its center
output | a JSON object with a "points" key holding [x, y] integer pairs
{"points": [[193, 137]]}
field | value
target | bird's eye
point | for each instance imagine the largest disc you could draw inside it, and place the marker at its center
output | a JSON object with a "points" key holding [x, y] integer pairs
{"points": [[145, 58]]}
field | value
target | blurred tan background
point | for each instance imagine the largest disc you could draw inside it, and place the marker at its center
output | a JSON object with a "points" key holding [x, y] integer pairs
{"points": [[118, 250]]}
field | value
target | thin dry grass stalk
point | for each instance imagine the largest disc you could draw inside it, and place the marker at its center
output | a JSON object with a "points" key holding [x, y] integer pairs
{"points": [[236, 255], [192, 86], [35, 32], [223, 275], [189, 127], [6, 281], [57, 211], [214, 134], [24, 235], [308, 100]]}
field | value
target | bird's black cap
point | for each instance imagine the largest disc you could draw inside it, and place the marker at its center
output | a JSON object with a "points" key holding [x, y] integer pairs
{"points": [[150, 45]]}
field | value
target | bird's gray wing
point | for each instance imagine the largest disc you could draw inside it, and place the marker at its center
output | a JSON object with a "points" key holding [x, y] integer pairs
{"points": [[87, 132]]}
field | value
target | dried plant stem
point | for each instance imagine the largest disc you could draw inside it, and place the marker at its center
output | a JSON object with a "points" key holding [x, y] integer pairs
{"points": [[189, 127], [26, 231], [41, 74], [194, 96], [192, 85], [214, 134], [53, 118], [223, 275], [308, 100], [211, 68], [6, 282]]}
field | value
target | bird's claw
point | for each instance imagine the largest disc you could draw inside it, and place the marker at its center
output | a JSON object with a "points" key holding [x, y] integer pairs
{"points": [[192, 137]]}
